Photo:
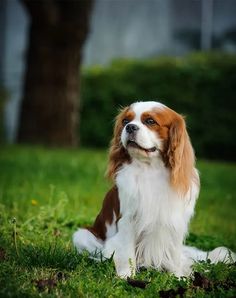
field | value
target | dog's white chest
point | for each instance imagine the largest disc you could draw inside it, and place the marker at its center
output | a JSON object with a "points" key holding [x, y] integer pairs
{"points": [[145, 193], [155, 209]]}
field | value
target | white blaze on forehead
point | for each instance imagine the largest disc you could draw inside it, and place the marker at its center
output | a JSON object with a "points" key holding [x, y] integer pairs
{"points": [[144, 106]]}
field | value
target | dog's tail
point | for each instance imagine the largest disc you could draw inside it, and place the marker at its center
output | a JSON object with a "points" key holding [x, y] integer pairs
{"points": [[219, 254]]}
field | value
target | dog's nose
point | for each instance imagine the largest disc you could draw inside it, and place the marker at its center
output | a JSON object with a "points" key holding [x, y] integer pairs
{"points": [[130, 128]]}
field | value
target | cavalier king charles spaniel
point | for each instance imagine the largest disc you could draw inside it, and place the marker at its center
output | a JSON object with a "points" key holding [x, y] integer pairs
{"points": [[144, 217]]}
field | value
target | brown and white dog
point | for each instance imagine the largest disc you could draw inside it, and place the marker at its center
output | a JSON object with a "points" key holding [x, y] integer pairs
{"points": [[144, 218]]}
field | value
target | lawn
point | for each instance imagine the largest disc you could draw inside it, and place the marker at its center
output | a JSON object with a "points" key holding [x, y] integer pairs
{"points": [[45, 194]]}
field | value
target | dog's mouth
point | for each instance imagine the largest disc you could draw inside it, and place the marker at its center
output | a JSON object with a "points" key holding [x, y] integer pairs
{"points": [[133, 144]]}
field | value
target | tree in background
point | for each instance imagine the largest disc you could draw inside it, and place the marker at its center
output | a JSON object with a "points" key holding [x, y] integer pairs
{"points": [[49, 112]]}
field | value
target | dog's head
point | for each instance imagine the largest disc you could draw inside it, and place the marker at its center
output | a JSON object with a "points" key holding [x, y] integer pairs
{"points": [[148, 131]]}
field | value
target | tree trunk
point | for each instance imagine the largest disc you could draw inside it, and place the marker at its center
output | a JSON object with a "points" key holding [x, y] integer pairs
{"points": [[49, 113]]}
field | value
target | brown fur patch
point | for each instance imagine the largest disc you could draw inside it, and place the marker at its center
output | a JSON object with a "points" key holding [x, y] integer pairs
{"points": [[177, 154], [111, 205], [118, 155]]}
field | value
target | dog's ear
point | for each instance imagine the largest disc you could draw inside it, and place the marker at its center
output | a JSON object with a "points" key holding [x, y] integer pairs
{"points": [[180, 155], [117, 154]]}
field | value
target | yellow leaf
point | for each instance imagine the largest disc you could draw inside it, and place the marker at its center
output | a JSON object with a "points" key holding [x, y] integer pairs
{"points": [[34, 202]]}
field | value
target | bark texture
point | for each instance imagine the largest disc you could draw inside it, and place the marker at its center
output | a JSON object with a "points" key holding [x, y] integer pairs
{"points": [[49, 112]]}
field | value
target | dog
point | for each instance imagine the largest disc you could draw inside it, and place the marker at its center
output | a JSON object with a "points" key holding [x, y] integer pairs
{"points": [[145, 216]]}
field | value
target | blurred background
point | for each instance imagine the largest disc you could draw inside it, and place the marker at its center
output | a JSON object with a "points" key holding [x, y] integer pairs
{"points": [[67, 66]]}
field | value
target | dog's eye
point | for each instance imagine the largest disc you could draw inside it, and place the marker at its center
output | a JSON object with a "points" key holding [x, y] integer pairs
{"points": [[150, 121], [125, 121]]}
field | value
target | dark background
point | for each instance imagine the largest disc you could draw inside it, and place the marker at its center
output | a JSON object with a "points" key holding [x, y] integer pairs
{"points": [[67, 66]]}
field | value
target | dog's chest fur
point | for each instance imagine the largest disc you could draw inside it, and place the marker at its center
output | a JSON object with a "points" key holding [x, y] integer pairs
{"points": [[145, 193], [156, 210]]}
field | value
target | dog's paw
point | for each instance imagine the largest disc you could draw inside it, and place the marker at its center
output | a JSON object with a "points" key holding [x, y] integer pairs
{"points": [[109, 249], [124, 272]]}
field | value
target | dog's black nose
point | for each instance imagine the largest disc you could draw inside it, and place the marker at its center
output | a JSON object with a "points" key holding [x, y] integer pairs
{"points": [[130, 128]]}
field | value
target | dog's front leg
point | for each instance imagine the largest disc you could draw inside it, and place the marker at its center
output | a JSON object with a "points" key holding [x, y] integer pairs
{"points": [[122, 247]]}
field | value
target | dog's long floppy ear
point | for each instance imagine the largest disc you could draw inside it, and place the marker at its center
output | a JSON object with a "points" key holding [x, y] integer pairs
{"points": [[117, 154], [180, 154]]}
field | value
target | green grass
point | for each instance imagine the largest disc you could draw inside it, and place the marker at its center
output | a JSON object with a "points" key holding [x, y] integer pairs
{"points": [[45, 194]]}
